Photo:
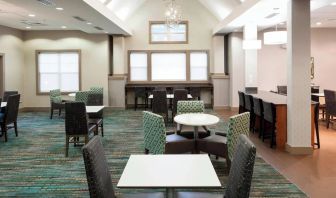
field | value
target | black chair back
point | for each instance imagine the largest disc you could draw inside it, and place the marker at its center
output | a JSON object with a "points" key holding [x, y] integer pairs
{"points": [[330, 101], [315, 90], [241, 99], [96, 167], [140, 92], [12, 108], [7, 94], [95, 100], [195, 92], [240, 176], [179, 94], [76, 122], [269, 112], [282, 90], [249, 103], [160, 102], [258, 106]]}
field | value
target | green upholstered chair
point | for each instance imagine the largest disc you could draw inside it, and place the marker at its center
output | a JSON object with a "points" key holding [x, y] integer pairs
{"points": [[225, 146], [97, 90], [56, 102], [157, 142], [82, 96], [191, 106]]}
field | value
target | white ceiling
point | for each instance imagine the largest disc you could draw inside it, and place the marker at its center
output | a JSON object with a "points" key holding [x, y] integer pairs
{"points": [[112, 15]]}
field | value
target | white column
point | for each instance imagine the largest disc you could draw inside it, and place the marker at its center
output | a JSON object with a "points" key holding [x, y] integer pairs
{"points": [[298, 77], [119, 51], [251, 57]]}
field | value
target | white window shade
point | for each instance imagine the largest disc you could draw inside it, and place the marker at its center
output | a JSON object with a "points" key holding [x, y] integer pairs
{"points": [[198, 66], [168, 66], [58, 70], [138, 66]]}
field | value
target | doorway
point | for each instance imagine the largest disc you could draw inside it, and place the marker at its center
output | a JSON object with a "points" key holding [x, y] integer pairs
{"points": [[2, 73]]}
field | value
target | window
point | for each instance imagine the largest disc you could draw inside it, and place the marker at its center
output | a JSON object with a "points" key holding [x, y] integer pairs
{"points": [[168, 66], [160, 33], [58, 70]]}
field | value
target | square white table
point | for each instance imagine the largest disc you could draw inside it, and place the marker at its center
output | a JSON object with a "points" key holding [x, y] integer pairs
{"points": [[94, 109], [170, 172], [170, 96], [3, 104]]}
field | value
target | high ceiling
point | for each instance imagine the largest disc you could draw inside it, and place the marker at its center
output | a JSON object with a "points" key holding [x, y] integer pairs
{"points": [[110, 16]]}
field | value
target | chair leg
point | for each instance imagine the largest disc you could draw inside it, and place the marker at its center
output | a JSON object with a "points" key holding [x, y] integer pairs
{"points": [[66, 146], [15, 129], [328, 120], [59, 111], [102, 128], [317, 134], [4, 131], [146, 151], [51, 113]]}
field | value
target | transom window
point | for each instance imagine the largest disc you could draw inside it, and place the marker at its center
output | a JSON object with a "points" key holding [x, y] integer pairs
{"points": [[168, 66], [160, 33], [58, 70]]}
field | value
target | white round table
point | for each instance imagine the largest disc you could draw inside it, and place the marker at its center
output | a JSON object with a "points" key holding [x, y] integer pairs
{"points": [[196, 120]]}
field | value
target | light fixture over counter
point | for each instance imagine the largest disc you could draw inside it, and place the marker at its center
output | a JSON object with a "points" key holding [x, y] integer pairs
{"points": [[275, 37]]}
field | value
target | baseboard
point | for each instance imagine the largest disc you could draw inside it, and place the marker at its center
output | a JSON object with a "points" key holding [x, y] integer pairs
{"points": [[299, 150]]}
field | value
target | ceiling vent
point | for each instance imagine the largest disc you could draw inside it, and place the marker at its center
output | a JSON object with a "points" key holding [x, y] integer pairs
{"points": [[271, 15], [46, 2], [33, 23], [79, 18], [98, 28]]}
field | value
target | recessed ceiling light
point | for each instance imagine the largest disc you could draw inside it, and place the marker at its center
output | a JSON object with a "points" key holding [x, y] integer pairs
{"points": [[89, 23], [59, 8], [31, 15], [63, 27], [28, 27], [318, 23], [106, 32], [333, 3]]}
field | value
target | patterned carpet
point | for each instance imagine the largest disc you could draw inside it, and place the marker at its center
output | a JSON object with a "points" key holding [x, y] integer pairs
{"points": [[33, 164]]}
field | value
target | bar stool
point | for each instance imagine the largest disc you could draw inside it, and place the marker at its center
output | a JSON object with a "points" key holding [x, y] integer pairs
{"points": [[258, 111], [241, 102], [269, 122], [249, 108]]}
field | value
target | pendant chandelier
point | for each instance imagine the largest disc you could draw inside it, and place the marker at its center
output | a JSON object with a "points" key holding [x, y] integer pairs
{"points": [[275, 37], [173, 14]]}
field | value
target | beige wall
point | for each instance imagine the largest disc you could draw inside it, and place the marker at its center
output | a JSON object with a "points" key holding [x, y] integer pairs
{"points": [[94, 61], [11, 42]]}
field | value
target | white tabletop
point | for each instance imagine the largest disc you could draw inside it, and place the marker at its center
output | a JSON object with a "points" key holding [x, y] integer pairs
{"points": [[196, 119], [318, 94], [170, 96], [72, 94], [3, 104], [169, 171], [94, 109]]}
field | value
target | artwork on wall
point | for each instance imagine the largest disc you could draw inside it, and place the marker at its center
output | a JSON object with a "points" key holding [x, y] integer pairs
{"points": [[312, 72]]}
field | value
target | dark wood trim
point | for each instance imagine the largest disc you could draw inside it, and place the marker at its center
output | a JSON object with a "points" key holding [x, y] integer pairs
{"points": [[167, 42], [37, 52]]}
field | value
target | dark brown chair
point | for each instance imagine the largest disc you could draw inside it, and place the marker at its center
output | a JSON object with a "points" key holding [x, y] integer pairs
{"points": [[241, 102], [316, 119], [140, 92], [76, 124], [330, 100], [98, 174], [258, 112], [195, 92], [156, 140], [179, 94], [249, 108], [269, 123], [6, 94], [159, 103], [96, 118], [282, 90], [10, 115], [240, 176]]}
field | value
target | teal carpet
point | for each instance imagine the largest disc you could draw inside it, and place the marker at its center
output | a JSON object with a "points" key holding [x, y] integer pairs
{"points": [[33, 164]]}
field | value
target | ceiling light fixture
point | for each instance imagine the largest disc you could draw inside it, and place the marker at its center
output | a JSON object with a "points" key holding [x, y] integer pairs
{"points": [[318, 23], [333, 3], [59, 8], [28, 27], [63, 27], [89, 23], [173, 14], [275, 37], [31, 15]]}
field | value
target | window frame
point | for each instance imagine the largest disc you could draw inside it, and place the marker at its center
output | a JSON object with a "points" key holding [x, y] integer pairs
{"points": [[149, 66], [168, 42], [37, 52]]}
